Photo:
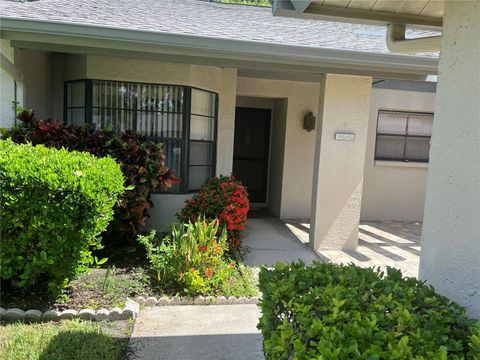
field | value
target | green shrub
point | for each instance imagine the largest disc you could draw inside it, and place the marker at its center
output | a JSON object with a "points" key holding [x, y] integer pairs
{"points": [[53, 206], [142, 163], [344, 312], [191, 260]]}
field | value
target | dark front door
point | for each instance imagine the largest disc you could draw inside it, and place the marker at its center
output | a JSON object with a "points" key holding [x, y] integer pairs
{"points": [[250, 156]]}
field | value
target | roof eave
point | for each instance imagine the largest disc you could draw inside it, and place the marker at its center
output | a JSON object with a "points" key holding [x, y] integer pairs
{"points": [[311, 10], [72, 37]]}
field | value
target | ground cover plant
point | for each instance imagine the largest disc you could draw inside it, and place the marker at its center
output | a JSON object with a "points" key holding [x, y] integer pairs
{"points": [[223, 198], [54, 204], [345, 312], [142, 163], [73, 340], [191, 260]]}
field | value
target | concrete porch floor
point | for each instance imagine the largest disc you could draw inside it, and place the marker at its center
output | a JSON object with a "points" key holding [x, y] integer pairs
{"points": [[385, 243], [268, 241]]}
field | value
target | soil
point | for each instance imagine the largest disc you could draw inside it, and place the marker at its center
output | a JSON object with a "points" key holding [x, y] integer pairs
{"points": [[123, 276]]}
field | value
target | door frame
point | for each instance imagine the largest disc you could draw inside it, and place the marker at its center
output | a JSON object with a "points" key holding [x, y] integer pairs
{"points": [[268, 133]]}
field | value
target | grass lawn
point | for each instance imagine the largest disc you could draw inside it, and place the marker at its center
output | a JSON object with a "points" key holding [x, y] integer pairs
{"points": [[65, 340]]}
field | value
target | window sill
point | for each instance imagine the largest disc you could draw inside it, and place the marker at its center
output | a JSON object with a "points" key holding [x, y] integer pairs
{"points": [[421, 165]]}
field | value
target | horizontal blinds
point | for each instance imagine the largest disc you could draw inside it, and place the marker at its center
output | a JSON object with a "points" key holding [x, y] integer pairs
{"points": [[403, 136]]}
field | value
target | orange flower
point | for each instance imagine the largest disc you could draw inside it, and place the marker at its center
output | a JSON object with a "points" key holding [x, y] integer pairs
{"points": [[208, 272], [232, 265]]}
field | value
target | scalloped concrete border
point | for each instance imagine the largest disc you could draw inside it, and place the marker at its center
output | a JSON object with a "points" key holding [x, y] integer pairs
{"points": [[200, 300], [130, 311]]}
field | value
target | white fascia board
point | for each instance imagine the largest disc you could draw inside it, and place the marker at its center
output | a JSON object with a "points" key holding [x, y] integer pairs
{"points": [[102, 37]]}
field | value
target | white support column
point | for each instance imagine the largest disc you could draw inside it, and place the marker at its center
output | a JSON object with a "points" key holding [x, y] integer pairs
{"points": [[450, 257], [338, 165]]}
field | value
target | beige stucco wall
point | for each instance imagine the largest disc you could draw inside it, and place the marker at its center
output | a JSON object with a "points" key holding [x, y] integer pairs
{"points": [[394, 190], [37, 69], [338, 165], [450, 257], [296, 178]]}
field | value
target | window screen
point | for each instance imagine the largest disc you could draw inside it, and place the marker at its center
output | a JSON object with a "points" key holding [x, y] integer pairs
{"points": [[403, 136], [182, 118]]}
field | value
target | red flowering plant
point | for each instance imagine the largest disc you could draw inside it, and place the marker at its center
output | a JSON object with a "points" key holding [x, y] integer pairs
{"points": [[223, 198]]}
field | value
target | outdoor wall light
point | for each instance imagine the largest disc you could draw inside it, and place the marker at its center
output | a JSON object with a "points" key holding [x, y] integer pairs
{"points": [[309, 121]]}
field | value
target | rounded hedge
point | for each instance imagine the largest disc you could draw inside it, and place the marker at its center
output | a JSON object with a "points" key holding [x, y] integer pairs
{"points": [[330, 311], [53, 206]]}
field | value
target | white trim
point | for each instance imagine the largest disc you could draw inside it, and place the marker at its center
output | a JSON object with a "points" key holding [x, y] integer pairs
{"points": [[403, 164], [227, 52]]}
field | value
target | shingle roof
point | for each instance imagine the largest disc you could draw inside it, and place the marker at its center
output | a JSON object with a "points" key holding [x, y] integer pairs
{"points": [[208, 19]]}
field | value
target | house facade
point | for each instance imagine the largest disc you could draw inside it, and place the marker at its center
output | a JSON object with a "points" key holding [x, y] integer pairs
{"points": [[323, 125], [392, 190]]}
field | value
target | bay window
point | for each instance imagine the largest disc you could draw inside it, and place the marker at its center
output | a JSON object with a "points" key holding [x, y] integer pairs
{"points": [[182, 118]]}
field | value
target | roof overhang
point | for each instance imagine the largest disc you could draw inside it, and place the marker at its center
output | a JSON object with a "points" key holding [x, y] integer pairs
{"points": [[91, 39], [419, 13]]}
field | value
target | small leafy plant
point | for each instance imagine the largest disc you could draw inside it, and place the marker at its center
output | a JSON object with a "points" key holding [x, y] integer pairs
{"points": [[190, 259], [223, 198], [54, 204], [345, 312]]}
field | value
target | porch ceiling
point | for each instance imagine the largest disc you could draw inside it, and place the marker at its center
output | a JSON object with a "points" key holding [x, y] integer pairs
{"points": [[426, 13]]}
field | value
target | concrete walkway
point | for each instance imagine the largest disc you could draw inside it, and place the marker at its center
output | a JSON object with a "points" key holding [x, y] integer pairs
{"points": [[269, 241], [210, 332]]}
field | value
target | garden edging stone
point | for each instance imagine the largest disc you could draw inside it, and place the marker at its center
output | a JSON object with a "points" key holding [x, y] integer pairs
{"points": [[199, 300], [130, 311]]}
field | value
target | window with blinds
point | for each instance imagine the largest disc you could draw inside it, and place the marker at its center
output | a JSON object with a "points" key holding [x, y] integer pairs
{"points": [[403, 136], [182, 118]]}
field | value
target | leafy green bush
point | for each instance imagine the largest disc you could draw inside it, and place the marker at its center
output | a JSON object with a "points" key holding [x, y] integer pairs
{"points": [[53, 206], [345, 312], [142, 163], [191, 259]]}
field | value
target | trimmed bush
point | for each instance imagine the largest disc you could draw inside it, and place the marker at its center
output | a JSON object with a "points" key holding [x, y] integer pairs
{"points": [[191, 259], [223, 198], [53, 204], [142, 163], [345, 312]]}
